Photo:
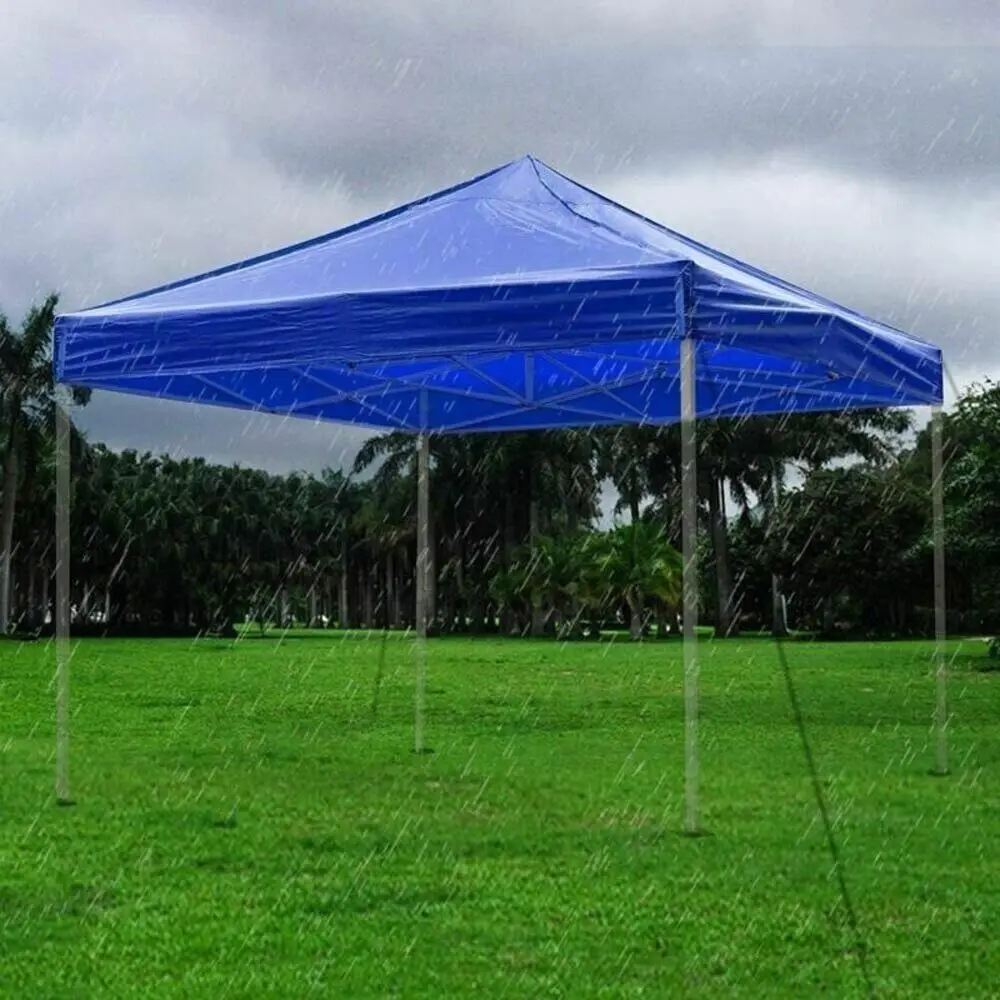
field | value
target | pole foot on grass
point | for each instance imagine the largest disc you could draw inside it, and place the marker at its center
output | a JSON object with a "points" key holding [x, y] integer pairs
{"points": [[229, 823], [935, 773], [64, 803], [422, 752]]}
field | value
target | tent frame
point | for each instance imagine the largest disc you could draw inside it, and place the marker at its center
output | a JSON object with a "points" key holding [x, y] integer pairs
{"points": [[638, 282], [689, 504]]}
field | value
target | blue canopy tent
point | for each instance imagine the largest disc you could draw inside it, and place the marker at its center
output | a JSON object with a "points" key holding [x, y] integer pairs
{"points": [[518, 300]]}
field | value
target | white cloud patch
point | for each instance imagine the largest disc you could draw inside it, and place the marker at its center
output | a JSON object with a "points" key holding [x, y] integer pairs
{"points": [[922, 260]]}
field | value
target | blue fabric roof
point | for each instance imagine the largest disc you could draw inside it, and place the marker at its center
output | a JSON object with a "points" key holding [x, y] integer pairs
{"points": [[516, 300]]}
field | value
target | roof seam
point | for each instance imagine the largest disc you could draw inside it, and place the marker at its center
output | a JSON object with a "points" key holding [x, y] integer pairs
{"points": [[640, 244]]}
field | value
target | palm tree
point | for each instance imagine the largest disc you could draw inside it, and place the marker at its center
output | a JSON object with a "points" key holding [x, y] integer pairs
{"points": [[396, 454], [551, 472], [746, 459], [27, 407], [625, 455], [640, 564], [551, 574]]}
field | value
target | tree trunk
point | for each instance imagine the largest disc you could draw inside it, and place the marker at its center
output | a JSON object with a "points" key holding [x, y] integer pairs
{"points": [[779, 627], [16, 595], [405, 582], [343, 614], [313, 607], [725, 623], [827, 615], [368, 597], [633, 503], [392, 595], [383, 604], [662, 628], [461, 611], [432, 579], [537, 612], [34, 618], [507, 623], [638, 603], [7, 512], [635, 622]]}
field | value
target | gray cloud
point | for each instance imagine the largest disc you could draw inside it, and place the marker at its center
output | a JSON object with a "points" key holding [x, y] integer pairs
{"points": [[389, 94], [852, 148], [920, 259]]}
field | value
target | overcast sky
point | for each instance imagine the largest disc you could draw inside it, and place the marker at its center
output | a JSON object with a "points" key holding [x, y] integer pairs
{"points": [[852, 147]]}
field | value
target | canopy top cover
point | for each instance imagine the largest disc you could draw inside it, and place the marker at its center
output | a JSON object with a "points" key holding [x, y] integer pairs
{"points": [[517, 300]]}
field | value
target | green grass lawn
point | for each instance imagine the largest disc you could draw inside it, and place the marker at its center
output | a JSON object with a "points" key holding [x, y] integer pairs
{"points": [[245, 825]]}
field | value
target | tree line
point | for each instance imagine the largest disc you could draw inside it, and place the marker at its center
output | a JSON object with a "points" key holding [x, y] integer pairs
{"points": [[828, 513]]}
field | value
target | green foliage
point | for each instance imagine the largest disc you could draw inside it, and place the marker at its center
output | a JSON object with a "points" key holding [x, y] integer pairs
{"points": [[27, 416], [973, 500], [186, 543], [589, 574], [183, 545], [641, 564], [853, 535]]}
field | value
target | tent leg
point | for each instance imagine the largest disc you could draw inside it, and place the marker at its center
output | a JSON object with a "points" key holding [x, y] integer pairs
{"points": [[423, 579], [689, 505], [62, 597], [940, 618]]}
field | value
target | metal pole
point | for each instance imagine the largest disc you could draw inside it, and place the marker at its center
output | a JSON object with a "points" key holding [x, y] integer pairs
{"points": [[423, 581], [63, 497], [940, 618], [689, 508]]}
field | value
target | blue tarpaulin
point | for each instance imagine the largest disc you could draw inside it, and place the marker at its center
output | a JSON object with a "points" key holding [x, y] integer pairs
{"points": [[516, 300]]}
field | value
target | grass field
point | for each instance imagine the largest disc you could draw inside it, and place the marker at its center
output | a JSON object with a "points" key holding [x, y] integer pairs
{"points": [[247, 825]]}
